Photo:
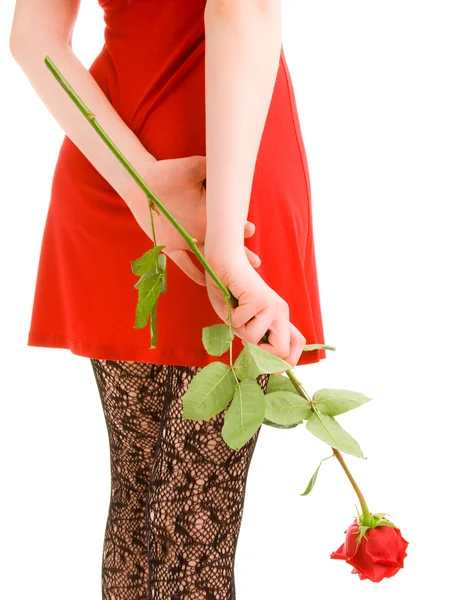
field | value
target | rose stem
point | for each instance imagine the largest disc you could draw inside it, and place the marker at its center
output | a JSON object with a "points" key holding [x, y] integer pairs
{"points": [[298, 385], [143, 185], [365, 512]]}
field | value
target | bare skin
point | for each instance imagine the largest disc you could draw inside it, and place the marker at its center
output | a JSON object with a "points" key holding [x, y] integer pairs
{"points": [[242, 54]]}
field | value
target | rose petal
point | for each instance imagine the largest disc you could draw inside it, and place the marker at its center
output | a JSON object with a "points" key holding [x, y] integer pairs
{"points": [[380, 572], [385, 545], [351, 540], [339, 553], [361, 575]]}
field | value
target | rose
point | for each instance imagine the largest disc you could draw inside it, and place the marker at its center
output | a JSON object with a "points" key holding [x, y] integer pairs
{"points": [[379, 554]]}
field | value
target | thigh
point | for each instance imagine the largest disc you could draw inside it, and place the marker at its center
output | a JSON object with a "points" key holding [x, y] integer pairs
{"points": [[133, 396], [195, 504]]}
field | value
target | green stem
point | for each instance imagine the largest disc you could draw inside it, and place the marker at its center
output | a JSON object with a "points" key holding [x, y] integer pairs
{"points": [[365, 512], [228, 296], [298, 385], [139, 180], [154, 235]]}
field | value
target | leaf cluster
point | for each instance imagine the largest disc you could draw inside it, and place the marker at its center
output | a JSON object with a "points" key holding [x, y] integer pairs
{"points": [[219, 386], [151, 267]]}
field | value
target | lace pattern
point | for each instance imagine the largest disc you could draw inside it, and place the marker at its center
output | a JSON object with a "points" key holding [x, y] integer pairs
{"points": [[177, 489]]}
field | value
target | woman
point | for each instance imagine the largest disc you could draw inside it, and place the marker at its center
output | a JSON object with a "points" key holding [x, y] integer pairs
{"points": [[175, 81]]}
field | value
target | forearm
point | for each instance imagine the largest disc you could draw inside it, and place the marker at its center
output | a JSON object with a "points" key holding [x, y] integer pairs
{"points": [[242, 54], [30, 57]]}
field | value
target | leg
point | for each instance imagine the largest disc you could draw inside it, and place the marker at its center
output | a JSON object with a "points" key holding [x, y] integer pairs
{"points": [[132, 396], [195, 503]]}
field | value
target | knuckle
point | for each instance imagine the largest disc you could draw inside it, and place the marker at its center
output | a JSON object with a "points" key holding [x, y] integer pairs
{"points": [[284, 306]]}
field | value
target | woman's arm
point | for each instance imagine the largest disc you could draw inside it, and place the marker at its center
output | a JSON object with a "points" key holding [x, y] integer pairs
{"points": [[242, 54], [44, 27]]}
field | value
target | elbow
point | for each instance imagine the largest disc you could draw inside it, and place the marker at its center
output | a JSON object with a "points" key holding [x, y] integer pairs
{"points": [[24, 45], [15, 44], [21, 44]]}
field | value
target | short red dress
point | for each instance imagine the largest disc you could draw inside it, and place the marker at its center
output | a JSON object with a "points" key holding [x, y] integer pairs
{"points": [[151, 68]]}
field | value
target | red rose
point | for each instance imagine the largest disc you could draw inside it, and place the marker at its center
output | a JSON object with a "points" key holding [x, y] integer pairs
{"points": [[379, 554]]}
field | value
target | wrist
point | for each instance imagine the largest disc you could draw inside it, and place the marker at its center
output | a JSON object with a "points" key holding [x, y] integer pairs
{"points": [[223, 252], [145, 165]]}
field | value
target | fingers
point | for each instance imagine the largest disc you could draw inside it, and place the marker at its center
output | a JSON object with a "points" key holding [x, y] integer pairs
{"points": [[279, 335], [284, 339], [297, 343], [249, 229], [256, 327], [184, 262], [254, 259], [246, 310], [274, 318]]}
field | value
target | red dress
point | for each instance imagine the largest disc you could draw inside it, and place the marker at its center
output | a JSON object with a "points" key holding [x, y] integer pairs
{"points": [[151, 69]]}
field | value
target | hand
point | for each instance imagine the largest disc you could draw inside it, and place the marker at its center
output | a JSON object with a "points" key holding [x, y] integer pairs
{"points": [[179, 184], [259, 308]]}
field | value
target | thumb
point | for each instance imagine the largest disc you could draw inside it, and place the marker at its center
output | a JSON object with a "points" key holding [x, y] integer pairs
{"points": [[184, 262]]}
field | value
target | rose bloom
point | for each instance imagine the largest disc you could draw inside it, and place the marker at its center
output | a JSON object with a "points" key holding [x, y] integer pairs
{"points": [[380, 553]]}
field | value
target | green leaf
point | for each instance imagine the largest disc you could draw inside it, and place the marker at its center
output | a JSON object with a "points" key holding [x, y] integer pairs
{"points": [[153, 328], [253, 361], [157, 269], [277, 425], [359, 516], [141, 317], [216, 338], [336, 402], [328, 430], [148, 292], [384, 523], [280, 383], [317, 347], [162, 261], [141, 279], [311, 483], [210, 391], [146, 262], [380, 520], [286, 408], [380, 515], [244, 415], [361, 533], [163, 283]]}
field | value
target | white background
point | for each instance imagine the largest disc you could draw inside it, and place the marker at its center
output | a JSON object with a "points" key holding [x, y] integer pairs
{"points": [[372, 88]]}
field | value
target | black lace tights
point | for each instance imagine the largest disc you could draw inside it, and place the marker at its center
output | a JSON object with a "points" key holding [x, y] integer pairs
{"points": [[177, 489]]}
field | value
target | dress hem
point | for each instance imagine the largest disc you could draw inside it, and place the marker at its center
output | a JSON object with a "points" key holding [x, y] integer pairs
{"points": [[195, 358]]}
